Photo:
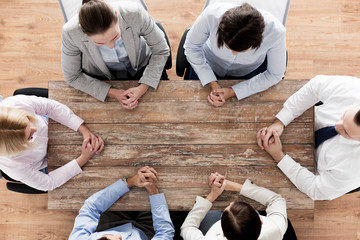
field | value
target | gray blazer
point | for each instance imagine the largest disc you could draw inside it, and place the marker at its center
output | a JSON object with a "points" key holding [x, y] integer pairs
{"points": [[144, 42]]}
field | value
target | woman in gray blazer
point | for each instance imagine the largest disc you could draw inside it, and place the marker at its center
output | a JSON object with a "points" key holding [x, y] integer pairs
{"points": [[108, 42]]}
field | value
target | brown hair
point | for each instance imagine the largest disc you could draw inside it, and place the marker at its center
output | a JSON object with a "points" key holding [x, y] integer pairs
{"points": [[241, 28], [241, 222], [357, 118], [96, 17], [12, 130]]}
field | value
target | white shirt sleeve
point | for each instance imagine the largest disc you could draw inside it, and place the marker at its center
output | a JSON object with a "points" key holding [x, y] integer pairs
{"points": [[275, 208], [47, 182], [195, 39], [306, 97], [190, 228], [324, 186], [276, 66]]}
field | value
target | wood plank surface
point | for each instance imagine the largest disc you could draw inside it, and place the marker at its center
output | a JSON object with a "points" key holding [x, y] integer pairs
{"points": [[178, 155], [171, 134], [180, 101], [180, 133]]}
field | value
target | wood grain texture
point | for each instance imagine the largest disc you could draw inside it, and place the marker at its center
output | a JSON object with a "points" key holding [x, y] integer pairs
{"points": [[173, 136], [178, 155]]}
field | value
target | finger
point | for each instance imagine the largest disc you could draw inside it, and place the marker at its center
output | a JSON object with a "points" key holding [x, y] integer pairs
{"points": [[86, 142], [223, 185], [154, 172], [93, 140], [259, 140], [276, 137], [150, 175]]}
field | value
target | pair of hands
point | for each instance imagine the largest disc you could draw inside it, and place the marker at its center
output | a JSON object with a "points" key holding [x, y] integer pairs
{"points": [[268, 139], [145, 177], [128, 99], [92, 144], [219, 95]]}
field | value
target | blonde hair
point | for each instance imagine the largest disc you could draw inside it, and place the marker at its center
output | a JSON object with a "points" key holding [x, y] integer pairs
{"points": [[12, 130]]}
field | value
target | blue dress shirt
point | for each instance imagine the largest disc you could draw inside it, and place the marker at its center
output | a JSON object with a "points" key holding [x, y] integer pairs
{"points": [[205, 57], [87, 220]]}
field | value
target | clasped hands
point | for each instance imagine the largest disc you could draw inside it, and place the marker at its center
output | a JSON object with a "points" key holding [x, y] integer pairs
{"points": [[268, 139], [218, 95], [128, 99], [145, 177]]}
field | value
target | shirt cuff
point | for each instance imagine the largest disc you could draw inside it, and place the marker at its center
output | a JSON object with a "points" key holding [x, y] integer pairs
{"points": [[285, 117], [75, 167], [239, 91], [245, 188], [203, 202], [157, 200], [286, 164]]}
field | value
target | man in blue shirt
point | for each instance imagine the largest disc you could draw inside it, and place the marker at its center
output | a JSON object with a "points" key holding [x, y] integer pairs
{"points": [[87, 221]]}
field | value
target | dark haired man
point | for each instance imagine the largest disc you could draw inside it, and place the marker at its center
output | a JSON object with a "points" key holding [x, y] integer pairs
{"points": [[125, 225], [337, 137], [231, 41], [239, 220]]}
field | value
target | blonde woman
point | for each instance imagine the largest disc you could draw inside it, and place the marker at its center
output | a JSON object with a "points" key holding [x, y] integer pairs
{"points": [[24, 139]]}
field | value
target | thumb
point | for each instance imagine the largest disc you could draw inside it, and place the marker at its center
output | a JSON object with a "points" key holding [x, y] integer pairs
{"points": [[276, 137]]}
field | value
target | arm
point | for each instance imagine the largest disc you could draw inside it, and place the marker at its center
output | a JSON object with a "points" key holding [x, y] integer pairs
{"points": [[190, 227], [36, 179], [164, 229], [275, 206], [160, 51], [276, 66], [195, 39], [324, 186], [71, 62], [89, 215]]}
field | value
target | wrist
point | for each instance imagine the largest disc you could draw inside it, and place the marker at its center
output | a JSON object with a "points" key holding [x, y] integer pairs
{"points": [[152, 190], [130, 182], [214, 85], [211, 197], [81, 160], [278, 156], [143, 88]]}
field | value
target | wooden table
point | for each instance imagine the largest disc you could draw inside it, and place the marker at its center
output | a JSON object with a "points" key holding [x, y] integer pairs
{"points": [[176, 131]]}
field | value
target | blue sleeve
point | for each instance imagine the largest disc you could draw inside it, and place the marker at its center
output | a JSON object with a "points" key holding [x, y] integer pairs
{"points": [[89, 215], [164, 229]]}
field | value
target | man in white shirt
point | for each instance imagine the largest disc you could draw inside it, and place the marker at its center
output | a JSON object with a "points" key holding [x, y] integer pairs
{"points": [[337, 157], [232, 41]]}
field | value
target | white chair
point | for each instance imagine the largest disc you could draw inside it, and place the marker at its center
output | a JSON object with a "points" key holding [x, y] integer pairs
{"points": [[278, 8], [70, 8]]}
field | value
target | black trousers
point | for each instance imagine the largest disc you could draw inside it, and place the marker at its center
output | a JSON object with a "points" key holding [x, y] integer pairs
{"points": [[140, 219]]}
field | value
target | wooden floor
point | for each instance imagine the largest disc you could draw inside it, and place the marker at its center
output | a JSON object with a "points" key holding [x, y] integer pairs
{"points": [[323, 37]]}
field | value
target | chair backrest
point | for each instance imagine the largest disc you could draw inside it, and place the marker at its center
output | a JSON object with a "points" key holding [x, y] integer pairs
{"points": [[70, 8], [278, 8]]}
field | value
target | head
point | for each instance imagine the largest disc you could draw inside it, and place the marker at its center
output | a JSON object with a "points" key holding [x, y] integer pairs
{"points": [[111, 237], [16, 130], [99, 21], [240, 221], [348, 125], [241, 29]]}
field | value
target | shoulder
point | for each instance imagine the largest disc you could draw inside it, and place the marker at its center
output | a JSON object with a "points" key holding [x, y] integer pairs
{"points": [[272, 24]]}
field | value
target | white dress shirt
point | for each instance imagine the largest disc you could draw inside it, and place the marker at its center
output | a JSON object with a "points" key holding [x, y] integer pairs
{"points": [[25, 165], [338, 158], [273, 227], [205, 57]]}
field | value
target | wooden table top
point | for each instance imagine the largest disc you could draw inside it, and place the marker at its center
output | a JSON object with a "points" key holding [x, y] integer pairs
{"points": [[185, 138]]}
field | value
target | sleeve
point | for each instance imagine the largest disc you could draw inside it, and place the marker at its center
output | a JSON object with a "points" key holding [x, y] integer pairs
{"points": [[318, 187], [87, 220], [195, 39], [307, 96], [160, 51], [47, 182], [164, 229], [275, 205], [53, 109], [190, 228], [71, 62], [276, 66]]}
